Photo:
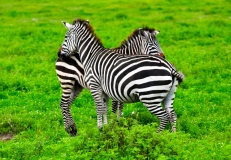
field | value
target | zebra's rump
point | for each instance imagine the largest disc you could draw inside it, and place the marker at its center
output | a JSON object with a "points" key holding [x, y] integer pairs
{"points": [[70, 70]]}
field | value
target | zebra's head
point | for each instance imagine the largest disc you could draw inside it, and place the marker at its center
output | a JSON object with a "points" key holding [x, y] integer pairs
{"points": [[150, 44], [69, 45]]}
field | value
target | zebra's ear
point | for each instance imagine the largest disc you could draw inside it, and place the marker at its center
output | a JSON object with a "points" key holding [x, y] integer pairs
{"points": [[87, 21], [142, 32], [67, 25], [156, 32]]}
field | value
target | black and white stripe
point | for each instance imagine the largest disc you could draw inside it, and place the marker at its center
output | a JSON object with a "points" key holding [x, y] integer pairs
{"points": [[125, 78], [70, 71]]}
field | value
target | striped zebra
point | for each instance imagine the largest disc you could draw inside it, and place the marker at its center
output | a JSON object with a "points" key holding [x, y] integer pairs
{"points": [[124, 78], [70, 71]]}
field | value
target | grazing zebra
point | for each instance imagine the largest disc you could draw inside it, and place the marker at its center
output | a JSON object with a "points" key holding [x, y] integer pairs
{"points": [[124, 78], [70, 71]]}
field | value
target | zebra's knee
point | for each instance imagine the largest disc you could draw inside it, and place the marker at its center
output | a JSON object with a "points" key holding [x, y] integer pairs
{"points": [[164, 117], [172, 114]]}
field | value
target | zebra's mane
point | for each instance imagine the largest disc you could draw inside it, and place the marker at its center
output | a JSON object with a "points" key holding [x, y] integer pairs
{"points": [[134, 34], [89, 27]]}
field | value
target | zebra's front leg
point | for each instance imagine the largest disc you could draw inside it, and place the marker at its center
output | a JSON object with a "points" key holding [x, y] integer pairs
{"points": [[101, 101], [168, 104], [105, 99]]}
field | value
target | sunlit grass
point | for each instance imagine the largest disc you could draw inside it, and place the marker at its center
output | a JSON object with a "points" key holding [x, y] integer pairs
{"points": [[195, 36]]}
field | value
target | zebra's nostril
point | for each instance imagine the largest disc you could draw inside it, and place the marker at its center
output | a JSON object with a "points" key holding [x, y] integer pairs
{"points": [[162, 55]]}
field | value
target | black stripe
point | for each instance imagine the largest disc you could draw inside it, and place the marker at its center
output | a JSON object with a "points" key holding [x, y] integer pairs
{"points": [[71, 62], [65, 70]]}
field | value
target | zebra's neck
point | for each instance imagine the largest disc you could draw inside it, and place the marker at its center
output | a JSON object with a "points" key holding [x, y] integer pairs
{"points": [[89, 46], [130, 46]]}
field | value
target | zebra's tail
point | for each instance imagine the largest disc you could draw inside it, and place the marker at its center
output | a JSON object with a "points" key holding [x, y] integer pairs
{"points": [[179, 75]]}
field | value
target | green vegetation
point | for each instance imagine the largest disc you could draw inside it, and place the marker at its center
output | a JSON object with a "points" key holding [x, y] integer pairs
{"points": [[195, 36]]}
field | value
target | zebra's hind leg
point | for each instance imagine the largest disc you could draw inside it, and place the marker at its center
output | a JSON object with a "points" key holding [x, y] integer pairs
{"points": [[70, 92], [114, 106], [168, 104], [160, 113], [75, 92], [173, 118], [117, 105], [67, 118]]}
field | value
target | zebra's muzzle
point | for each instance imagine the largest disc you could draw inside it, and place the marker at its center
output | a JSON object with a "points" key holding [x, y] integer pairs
{"points": [[60, 55], [162, 55]]}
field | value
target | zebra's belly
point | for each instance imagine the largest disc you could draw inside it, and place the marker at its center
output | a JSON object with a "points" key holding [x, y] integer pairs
{"points": [[136, 94], [128, 99]]}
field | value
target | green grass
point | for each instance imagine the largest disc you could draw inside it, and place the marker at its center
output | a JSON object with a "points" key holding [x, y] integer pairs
{"points": [[195, 36]]}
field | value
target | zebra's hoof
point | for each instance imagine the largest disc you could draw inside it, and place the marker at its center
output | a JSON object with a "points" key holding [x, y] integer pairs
{"points": [[100, 129], [72, 130], [173, 129]]}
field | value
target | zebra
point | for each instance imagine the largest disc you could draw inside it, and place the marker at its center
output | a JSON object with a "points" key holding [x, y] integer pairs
{"points": [[70, 71], [124, 78]]}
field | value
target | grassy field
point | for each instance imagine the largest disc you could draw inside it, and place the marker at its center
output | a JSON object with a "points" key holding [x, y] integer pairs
{"points": [[195, 36]]}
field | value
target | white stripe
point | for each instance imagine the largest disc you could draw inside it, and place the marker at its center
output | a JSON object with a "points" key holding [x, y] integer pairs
{"points": [[146, 68]]}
